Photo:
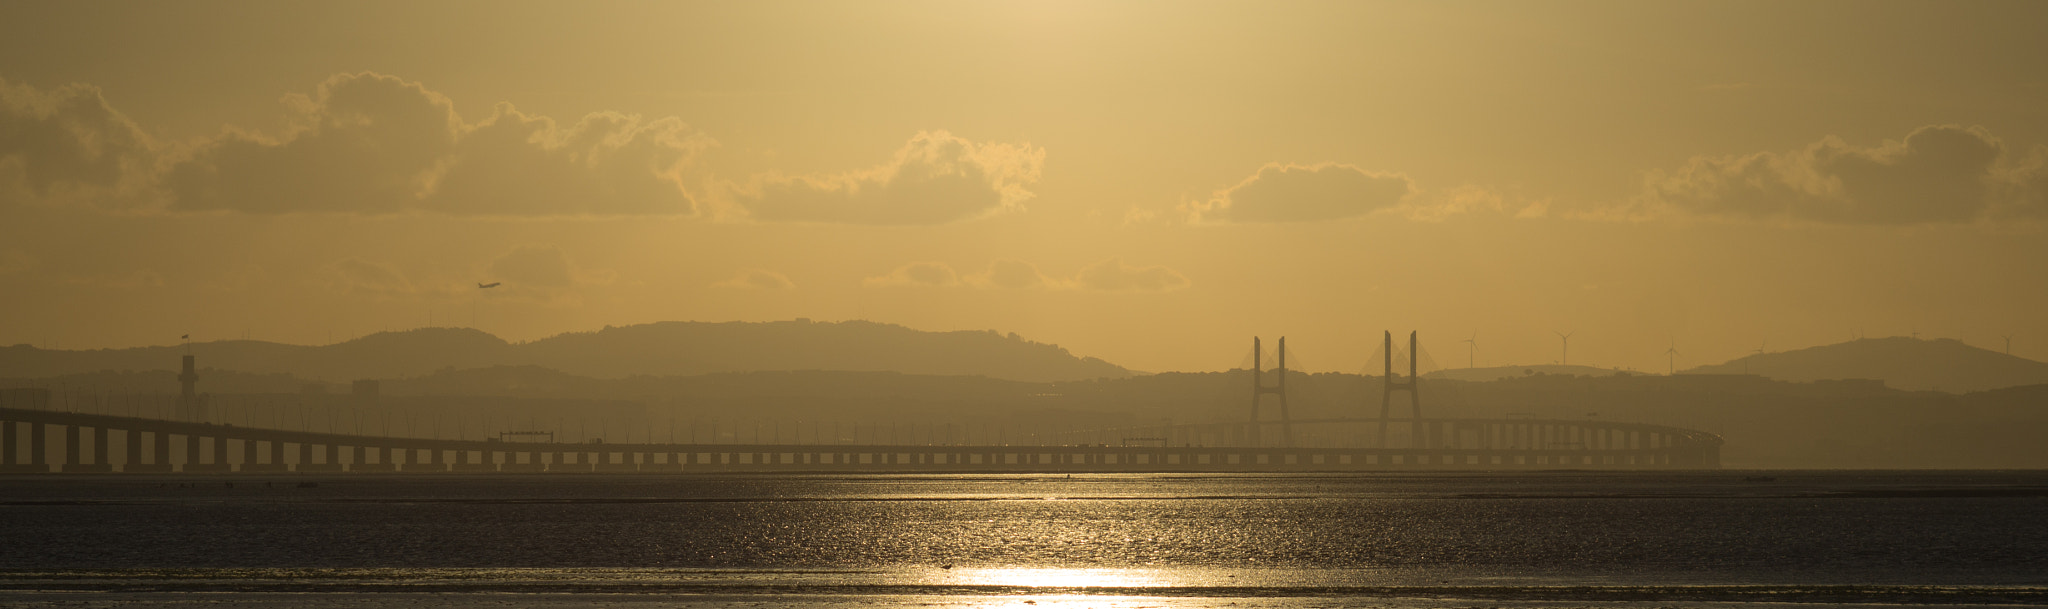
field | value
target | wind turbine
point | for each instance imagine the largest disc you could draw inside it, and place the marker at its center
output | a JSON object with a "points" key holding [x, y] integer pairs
{"points": [[1671, 359], [1472, 349], [1566, 357], [2008, 344], [1759, 351]]}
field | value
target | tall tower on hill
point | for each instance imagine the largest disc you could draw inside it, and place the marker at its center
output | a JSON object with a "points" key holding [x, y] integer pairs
{"points": [[191, 405]]}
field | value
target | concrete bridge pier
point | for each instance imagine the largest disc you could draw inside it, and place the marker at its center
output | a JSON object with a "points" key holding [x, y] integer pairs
{"points": [[195, 459], [72, 448], [670, 464], [603, 462], [533, 462], [383, 456], [332, 454], [251, 464], [159, 452], [433, 462], [476, 461], [562, 462], [10, 450]]}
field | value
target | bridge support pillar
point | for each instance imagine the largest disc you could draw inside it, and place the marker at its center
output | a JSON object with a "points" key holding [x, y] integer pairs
{"points": [[331, 452], [160, 452], [38, 448], [383, 455], [72, 450], [250, 452], [195, 458], [10, 449], [532, 464], [132, 460]]}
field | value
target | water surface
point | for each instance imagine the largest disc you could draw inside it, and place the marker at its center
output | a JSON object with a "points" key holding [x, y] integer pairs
{"points": [[1602, 538]]}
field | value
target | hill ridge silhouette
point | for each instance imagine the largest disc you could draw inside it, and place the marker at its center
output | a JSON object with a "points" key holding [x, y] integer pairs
{"points": [[660, 348], [1940, 364]]}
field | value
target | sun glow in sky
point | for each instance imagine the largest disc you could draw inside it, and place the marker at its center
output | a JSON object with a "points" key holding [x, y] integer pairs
{"points": [[1151, 183]]}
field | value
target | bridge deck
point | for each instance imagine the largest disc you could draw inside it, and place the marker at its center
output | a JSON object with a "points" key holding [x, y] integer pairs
{"points": [[1441, 444]]}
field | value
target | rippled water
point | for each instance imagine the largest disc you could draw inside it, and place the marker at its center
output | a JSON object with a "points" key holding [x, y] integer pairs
{"points": [[1398, 539]]}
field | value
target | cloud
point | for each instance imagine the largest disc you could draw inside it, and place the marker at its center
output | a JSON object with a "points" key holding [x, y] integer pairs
{"points": [[1114, 275], [373, 144], [1011, 274], [67, 142], [2024, 192], [534, 266], [1007, 274], [757, 279], [935, 178], [1302, 193], [1936, 174], [1446, 203], [605, 164], [927, 274], [367, 278]]}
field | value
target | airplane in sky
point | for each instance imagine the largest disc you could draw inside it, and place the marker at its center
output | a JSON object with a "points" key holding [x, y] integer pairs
{"points": [[489, 285]]}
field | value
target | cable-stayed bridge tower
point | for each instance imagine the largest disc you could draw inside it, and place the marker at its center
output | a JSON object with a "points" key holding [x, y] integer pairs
{"points": [[1260, 389], [1393, 383]]}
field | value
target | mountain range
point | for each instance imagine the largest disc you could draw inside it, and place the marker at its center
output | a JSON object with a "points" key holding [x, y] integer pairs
{"points": [[1913, 364], [698, 348], [659, 349]]}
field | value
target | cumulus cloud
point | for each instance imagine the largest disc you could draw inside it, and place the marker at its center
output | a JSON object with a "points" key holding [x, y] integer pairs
{"points": [[1114, 275], [1444, 204], [935, 178], [1936, 174], [1109, 275], [1303, 193], [757, 279], [604, 164], [2024, 191], [67, 142], [1012, 274], [927, 274], [360, 143]]}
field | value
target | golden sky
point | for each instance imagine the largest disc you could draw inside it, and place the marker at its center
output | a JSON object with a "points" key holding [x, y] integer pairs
{"points": [[1152, 183]]}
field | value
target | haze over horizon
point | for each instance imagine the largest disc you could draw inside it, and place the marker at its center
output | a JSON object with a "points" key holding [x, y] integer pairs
{"points": [[1149, 184]]}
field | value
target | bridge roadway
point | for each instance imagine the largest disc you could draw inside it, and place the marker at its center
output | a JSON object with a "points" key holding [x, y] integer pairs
{"points": [[1469, 444]]}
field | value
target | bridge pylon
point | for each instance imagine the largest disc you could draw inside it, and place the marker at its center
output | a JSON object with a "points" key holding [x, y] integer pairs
{"points": [[1394, 383], [1260, 389]]}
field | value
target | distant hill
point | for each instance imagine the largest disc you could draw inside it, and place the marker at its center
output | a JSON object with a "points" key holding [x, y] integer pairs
{"points": [[1902, 363], [665, 348], [1481, 375]]}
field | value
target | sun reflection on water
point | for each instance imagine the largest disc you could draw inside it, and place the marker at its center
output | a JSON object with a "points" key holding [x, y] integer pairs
{"points": [[1063, 578]]}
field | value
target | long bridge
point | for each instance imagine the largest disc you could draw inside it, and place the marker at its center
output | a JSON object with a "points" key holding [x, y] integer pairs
{"points": [[89, 443], [191, 444]]}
